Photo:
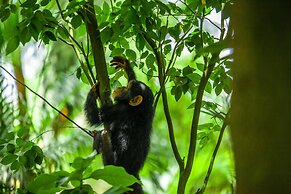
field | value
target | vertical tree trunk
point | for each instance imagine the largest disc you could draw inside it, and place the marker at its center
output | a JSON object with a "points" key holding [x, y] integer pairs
{"points": [[261, 116]]}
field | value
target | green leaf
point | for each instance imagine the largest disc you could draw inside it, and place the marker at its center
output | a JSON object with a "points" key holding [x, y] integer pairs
{"points": [[82, 163], [175, 31], [42, 181], [84, 189], [106, 8], [12, 45], [29, 161], [218, 89], [114, 175], [150, 74], [79, 72], [140, 42], [208, 87], [39, 154], [178, 93], [163, 32], [19, 142], [144, 54], [10, 148], [15, 165], [8, 159], [78, 163], [150, 60], [195, 77], [29, 3], [62, 32], [131, 55], [180, 49], [10, 136], [187, 70], [2, 141], [5, 13], [44, 2], [167, 49], [25, 35], [163, 7], [22, 131], [173, 72], [117, 190], [124, 43], [214, 48], [117, 52], [76, 21], [13, 8], [206, 126], [200, 66], [50, 35]]}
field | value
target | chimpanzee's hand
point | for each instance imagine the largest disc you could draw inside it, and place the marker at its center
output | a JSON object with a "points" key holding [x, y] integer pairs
{"points": [[97, 141], [95, 90], [119, 62]]}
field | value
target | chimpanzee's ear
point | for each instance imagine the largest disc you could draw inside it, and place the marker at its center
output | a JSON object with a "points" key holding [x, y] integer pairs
{"points": [[135, 101]]}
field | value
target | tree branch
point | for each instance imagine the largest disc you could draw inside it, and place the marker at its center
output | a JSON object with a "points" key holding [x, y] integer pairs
{"points": [[208, 69], [80, 61], [224, 125], [193, 136], [101, 69], [98, 52], [85, 70], [161, 73]]}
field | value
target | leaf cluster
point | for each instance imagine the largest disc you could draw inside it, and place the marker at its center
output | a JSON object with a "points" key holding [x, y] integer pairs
{"points": [[59, 181]]}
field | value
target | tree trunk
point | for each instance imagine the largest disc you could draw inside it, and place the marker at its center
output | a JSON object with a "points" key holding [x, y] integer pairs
{"points": [[261, 108]]}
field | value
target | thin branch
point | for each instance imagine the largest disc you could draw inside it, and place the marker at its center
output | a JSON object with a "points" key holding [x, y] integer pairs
{"points": [[80, 47], [81, 62], [214, 24], [41, 134], [224, 125], [47, 102], [208, 69], [176, 47], [160, 62], [170, 64], [188, 6], [61, 11], [88, 63]]}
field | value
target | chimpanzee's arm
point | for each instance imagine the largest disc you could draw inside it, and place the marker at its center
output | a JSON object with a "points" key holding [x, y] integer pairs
{"points": [[123, 63], [91, 110], [129, 71]]}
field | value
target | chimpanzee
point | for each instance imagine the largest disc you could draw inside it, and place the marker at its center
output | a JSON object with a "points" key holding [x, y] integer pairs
{"points": [[129, 120]]}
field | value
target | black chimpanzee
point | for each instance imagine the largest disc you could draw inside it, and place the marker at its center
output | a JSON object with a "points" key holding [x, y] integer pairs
{"points": [[129, 120]]}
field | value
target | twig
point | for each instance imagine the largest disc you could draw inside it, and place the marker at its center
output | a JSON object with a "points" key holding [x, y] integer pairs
{"points": [[80, 47], [214, 24], [61, 11], [188, 6], [224, 125], [208, 69], [160, 62], [81, 62], [47, 102], [42, 134]]}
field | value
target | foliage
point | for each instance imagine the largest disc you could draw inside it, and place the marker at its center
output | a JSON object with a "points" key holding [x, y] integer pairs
{"points": [[57, 181], [169, 43]]}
